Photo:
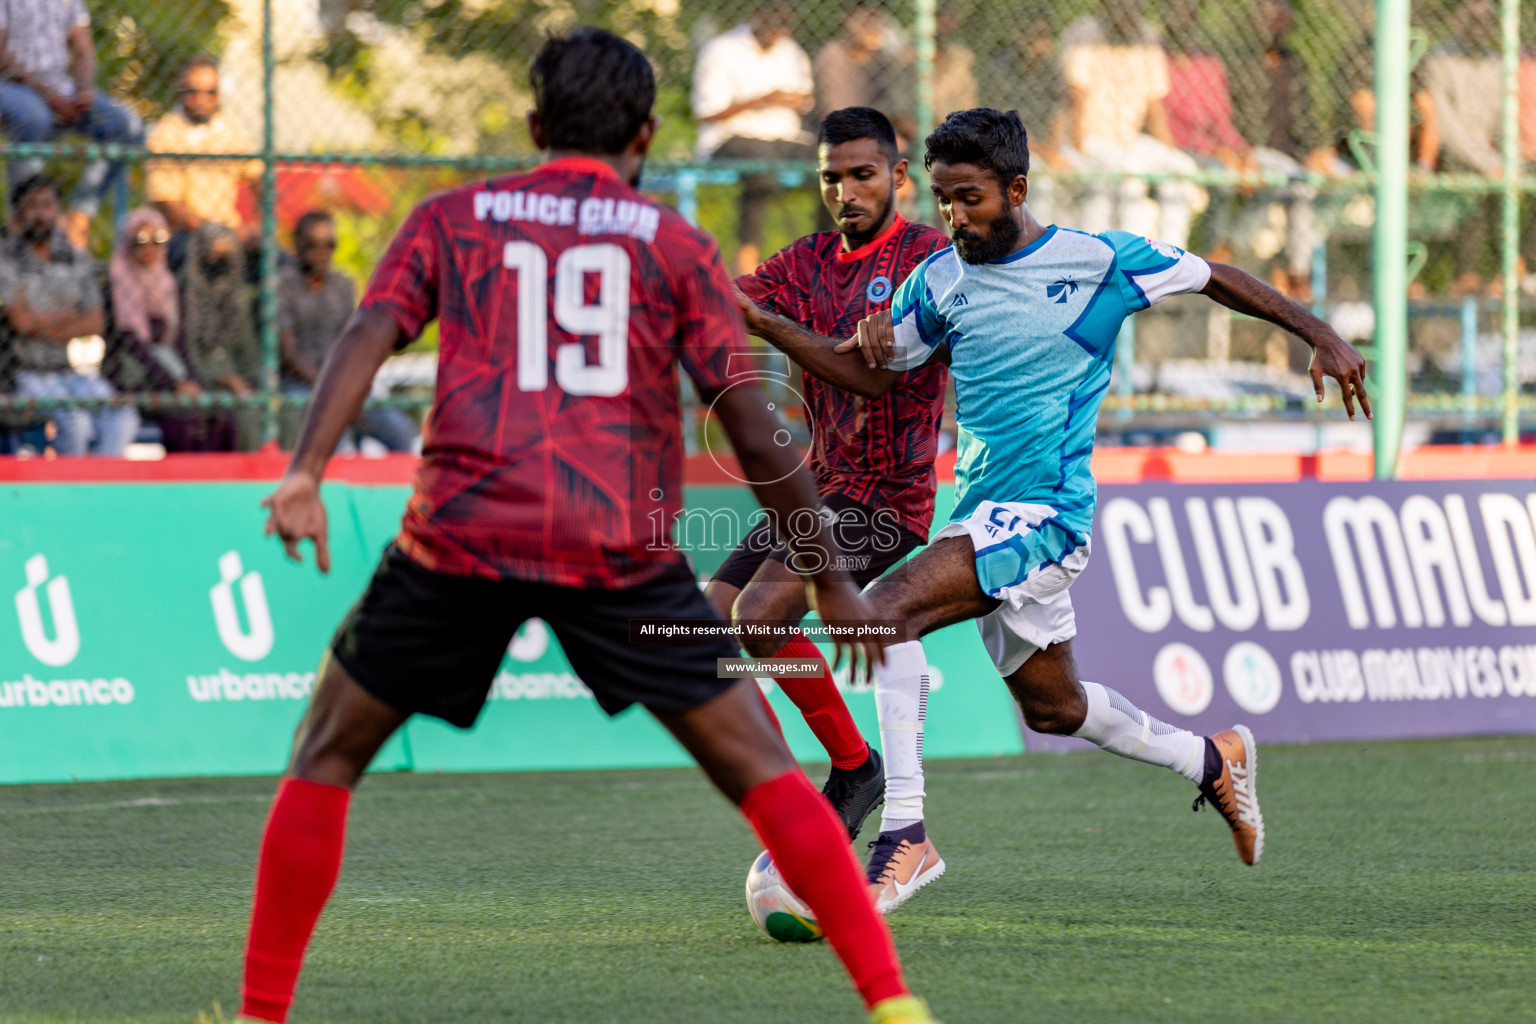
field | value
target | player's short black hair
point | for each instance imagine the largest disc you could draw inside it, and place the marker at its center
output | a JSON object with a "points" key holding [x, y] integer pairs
{"points": [[993, 139], [26, 186], [852, 123], [592, 91]]}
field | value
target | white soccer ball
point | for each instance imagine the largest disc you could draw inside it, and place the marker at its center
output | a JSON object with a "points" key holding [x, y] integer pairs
{"points": [[777, 911]]}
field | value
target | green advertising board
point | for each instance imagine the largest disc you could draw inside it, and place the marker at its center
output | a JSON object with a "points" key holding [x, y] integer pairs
{"points": [[156, 632]]}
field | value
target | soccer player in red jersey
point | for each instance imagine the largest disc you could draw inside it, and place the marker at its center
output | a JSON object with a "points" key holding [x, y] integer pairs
{"points": [[566, 302], [872, 456]]}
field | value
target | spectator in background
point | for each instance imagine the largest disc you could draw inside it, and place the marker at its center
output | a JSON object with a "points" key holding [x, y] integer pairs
{"points": [[315, 301], [751, 87], [1465, 78], [48, 64], [1527, 87], [1272, 100], [50, 297], [218, 335], [190, 193], [954, 67], [1025, 75], [1199, 105], [867, 66], [143, 349], [1356, 74], [1117, 80]]}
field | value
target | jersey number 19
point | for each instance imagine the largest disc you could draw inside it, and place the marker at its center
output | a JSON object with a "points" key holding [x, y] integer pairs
{"points": [[608, 318]]}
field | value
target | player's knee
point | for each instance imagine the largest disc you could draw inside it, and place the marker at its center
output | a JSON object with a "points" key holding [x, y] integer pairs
{"points": [[721, 596], [761, 605], [759, 647], [326, 752], [1046, 713]]}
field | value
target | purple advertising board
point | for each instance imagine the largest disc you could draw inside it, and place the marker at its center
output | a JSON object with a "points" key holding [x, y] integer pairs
{"points": [[1314, 611]]}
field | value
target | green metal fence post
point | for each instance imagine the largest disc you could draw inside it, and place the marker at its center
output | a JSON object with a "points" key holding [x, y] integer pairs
{"points": [[1511, 208], [268, 301], [925, 30], [1390, 238]]}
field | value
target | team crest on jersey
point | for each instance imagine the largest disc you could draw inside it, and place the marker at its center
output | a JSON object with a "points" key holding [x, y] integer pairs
{"points": [[1063, 289], [879, 289], [1173, 252]]}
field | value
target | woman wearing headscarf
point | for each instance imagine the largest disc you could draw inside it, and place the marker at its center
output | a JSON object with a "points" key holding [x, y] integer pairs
{"points": [[143, 352]]}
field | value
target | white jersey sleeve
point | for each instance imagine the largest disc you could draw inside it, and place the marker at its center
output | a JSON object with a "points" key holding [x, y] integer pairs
{"points": [[915, 316], [1150, 271]]}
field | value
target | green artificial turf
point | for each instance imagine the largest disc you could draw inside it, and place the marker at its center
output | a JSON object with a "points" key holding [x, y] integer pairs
{"points": [[1397, 885]]}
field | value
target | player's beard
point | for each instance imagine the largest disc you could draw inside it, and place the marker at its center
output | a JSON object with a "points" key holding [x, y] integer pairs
{"points": [[859, 239], [1002, 236]]}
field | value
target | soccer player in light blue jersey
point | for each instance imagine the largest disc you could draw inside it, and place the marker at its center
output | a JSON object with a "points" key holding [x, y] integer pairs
{"points": [[1026, 317]]}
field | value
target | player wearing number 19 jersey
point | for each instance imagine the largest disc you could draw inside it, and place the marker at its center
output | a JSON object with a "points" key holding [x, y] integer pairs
{"points": [[566, 302]]}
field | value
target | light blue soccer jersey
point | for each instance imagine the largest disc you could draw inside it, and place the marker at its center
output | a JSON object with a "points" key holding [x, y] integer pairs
{"points": [[1031, 339]]}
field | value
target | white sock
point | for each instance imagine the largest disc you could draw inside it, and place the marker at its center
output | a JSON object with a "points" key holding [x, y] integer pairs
{"points": [[901, 700], [1120, 727]]}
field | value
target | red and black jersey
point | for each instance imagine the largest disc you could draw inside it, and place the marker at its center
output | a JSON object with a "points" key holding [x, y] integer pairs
{"points": [[879, 451], [565, 301]]}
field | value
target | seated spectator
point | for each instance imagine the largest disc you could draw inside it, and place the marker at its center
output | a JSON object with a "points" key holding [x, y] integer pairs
{"points": [[1025, 75], [1527, 87], [51, 296], [954, 67], [190, 193], [1465, 78], [1200, 112], [218, 334], [867, 66], [751, 87], [1356, 75], [143, 349], [315, 302], [1117, 83], [49, 65]]}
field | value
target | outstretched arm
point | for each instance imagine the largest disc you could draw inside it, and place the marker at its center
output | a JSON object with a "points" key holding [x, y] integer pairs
{"points": [[819, 356], [296, 509], [1332, 356]]}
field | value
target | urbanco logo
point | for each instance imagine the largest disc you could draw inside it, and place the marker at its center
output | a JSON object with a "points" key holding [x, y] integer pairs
{"points": [[247, 645], [60, 650], [530, 641]]}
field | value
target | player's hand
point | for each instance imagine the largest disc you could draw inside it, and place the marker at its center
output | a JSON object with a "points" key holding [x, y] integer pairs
{"points": [[876, 339], [842, 603], [749, 309], [298, 513], [1334, 357]]}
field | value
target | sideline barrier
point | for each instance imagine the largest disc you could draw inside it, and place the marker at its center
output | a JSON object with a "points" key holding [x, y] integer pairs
{"points": [[153, 631], [1314, 610]]}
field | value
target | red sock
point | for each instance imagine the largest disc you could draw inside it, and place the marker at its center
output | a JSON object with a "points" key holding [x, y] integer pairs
{"points": [[300, 859], [823, 707], [810, 846]]}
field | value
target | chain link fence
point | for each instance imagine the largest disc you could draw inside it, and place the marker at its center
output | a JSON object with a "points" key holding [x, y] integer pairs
{"points": [[1241, 128]]}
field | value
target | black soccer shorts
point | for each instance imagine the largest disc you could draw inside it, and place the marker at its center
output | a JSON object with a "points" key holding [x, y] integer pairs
{"points": [[424, 642], [870, 547]]}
